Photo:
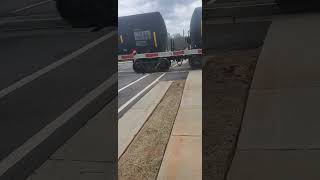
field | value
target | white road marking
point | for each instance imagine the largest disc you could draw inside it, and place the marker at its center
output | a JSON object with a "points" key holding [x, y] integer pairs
{"points": [[54, 65], [31, 6], [141, 92], [172, 72], [126, 72], [124, 62], [44, 133], [34, 20], [133, 83]]}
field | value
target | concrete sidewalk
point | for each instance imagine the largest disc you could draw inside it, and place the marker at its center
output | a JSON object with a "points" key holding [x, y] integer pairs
{"points": [[279, 138], [183, 156]]}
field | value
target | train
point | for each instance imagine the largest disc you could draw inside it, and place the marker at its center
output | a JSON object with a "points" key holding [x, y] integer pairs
{"points": [[195, 39], [95, 14], [144, 33], [147, 33], [288, 6]]}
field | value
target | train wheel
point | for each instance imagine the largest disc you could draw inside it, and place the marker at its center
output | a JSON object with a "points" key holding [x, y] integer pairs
{"points": [[136, 67], [139, 66], [195, 62], [164, 64], [148, 67]]}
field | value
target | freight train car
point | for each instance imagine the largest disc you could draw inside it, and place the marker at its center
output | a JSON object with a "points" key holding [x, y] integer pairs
{"points": [[288, 6], [144, 33], [89, 13], [196, 37]]}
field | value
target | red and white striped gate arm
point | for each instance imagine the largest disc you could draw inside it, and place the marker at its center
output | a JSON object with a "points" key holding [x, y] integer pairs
{"points": [[159, 54]]}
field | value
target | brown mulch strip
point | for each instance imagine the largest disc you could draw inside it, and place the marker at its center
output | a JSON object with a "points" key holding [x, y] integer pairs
{"points": [[226, 82]]}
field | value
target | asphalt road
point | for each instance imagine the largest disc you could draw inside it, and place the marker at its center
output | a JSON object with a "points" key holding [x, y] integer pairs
{"points": [[47, 97], [131, 84], [52, 81], [30, 15], [24, 53], [20, 7]]}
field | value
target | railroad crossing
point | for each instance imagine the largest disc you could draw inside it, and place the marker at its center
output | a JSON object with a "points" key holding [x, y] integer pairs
{"points": [[160, 118]]}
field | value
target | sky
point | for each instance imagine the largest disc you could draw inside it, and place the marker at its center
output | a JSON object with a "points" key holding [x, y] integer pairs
{"points": [[176, 13]]}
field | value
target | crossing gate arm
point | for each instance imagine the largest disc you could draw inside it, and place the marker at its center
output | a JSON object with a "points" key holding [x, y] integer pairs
{"points": [[160, 54]]}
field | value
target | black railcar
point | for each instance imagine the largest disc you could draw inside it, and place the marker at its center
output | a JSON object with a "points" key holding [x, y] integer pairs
{"points": [[144, 33], [89, 13], [289, 6], [196, 29], [196, 36]]}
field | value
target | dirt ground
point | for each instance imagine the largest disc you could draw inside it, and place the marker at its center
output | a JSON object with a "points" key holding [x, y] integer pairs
{"points": [[226, 82], [143, 157]]}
